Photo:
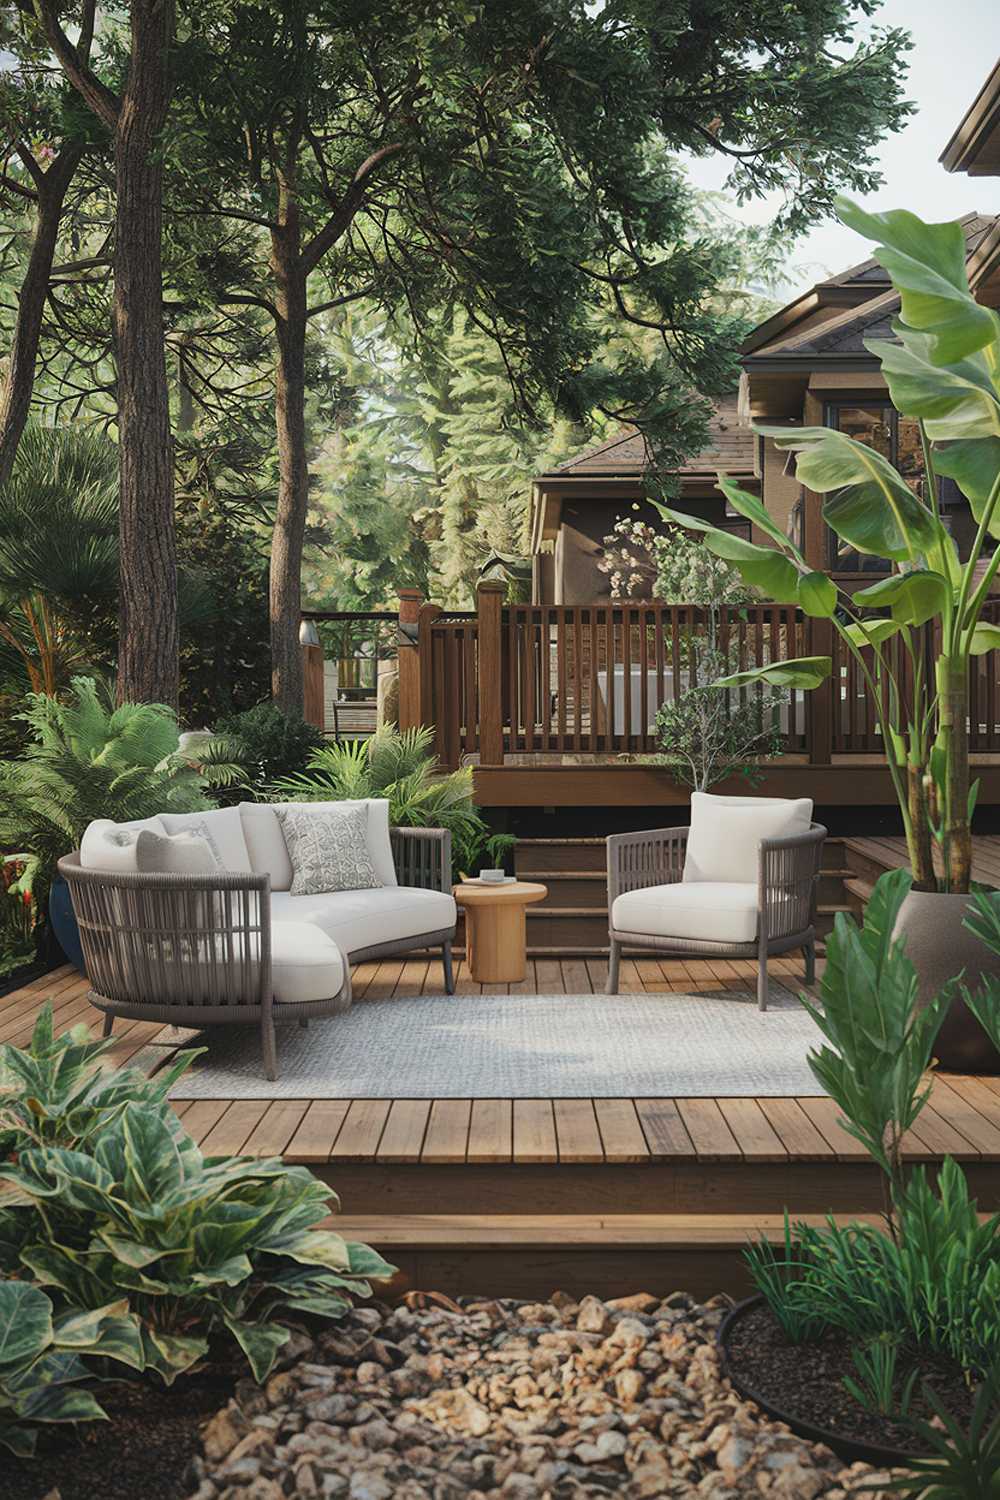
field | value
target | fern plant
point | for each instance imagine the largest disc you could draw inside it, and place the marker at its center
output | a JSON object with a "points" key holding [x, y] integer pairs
{"points": [[401, 766], [88, 759]]}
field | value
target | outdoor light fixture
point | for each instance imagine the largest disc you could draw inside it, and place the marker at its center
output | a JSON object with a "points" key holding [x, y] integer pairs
{"points": [[308, 634]]}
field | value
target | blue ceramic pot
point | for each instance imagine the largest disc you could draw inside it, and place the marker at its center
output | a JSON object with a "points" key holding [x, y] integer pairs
{"points": [[63, 920]]}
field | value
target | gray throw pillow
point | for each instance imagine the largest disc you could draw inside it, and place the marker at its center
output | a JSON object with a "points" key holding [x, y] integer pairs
{"points": [[174, 854], [328, 848]]}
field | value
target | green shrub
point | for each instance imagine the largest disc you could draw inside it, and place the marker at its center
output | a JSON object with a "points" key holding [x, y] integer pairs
{"points": [[109, 1196], [42, 1361], [270, 743], [930, 1279], [88, 759]]}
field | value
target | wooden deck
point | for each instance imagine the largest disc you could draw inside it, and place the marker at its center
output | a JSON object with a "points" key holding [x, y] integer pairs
{"points": [[524, 1195], [872, 856]]}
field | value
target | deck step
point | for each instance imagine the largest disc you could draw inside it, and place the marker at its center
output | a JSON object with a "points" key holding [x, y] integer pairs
{"points": [[507, 1255], [548, 856]]}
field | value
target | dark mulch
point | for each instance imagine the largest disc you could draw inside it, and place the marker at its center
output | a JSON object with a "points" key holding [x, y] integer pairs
{"points": [[806, 1381], [142, 1453]]}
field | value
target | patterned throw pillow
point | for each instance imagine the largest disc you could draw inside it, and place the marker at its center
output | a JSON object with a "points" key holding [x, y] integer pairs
{"points": [[328, 849]]}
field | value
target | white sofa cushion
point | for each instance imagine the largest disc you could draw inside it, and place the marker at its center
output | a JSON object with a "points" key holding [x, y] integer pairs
{"points": [[360, 919], [266, 843], [703, 911], [111, 846], [726, 833], [184, 853], [269, 853], [306, 964], [222, 826]]}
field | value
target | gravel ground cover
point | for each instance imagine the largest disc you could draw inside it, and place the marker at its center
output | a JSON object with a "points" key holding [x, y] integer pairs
{"points": [[504, 1400]]}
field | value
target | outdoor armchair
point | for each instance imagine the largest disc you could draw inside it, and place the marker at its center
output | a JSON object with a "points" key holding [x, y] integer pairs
{"points": [[653, 905]]}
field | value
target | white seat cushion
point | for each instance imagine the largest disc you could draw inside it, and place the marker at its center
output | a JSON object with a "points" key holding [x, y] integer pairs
{"points": [[111, 846], [360, 919], [305, 963], [725, 836], [704, 911]]}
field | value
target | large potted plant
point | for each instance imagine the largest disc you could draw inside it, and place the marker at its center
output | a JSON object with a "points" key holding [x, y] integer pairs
{"points": [[943, 370], [88, 759]]}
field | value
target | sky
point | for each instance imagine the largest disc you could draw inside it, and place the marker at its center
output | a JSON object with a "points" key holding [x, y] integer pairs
{"points": [[956, 43]]}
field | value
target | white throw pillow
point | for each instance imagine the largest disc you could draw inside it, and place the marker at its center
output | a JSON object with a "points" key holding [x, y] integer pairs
{"points": [[183, 853], [328, 847], [225, 829], [726, 833], [111, 846]]}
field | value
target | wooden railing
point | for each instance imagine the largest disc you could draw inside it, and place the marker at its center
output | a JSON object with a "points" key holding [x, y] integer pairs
{"points": [[508, 681]]}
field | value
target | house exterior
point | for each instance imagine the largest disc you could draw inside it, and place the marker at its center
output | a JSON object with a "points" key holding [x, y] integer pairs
{"points": [[806, 365], [575, 506]]}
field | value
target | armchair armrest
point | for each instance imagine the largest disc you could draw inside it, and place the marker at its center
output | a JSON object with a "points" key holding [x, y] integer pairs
{"points": [[788, 874], [637, 860], [422, 857]]}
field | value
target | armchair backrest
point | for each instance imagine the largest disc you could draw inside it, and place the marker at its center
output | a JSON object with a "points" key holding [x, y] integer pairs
{"points": [[726, 833]]}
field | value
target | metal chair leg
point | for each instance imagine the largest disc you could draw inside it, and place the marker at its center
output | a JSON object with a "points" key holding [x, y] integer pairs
{"points": [[762, 981], [304, 1022], [109, 1021], [269, 1047], [810, 953], [614, 959], [446, 964]]}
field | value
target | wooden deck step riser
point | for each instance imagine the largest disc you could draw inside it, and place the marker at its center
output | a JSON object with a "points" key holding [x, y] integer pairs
{"points": [[533, 1273], [560, 1188], [546, 856]]}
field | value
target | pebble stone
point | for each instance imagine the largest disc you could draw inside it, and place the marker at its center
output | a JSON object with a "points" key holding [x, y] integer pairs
{"points": [[560, 1400]]}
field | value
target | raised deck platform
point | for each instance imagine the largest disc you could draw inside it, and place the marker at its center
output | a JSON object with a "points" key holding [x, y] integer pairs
{"points": [[520, 1196]]}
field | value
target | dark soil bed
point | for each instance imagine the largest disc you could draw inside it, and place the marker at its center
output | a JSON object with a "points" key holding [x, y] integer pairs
{"points": [[142, 1453], [806, 1382]]}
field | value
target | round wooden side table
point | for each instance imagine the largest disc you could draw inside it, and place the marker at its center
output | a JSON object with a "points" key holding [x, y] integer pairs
{"points": [[495, 927]]}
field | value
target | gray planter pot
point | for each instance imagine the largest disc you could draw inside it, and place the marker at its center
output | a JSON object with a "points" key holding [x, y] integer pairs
{"points": [[940, 946]]}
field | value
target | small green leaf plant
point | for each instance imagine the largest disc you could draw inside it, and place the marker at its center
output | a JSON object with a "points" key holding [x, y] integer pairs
{"points": [[943, 371], [43, 1358]]}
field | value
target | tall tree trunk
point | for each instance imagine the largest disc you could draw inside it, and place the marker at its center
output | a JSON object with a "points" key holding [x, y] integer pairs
{"points": [[293, 483], [148, 645], [18, 384]]}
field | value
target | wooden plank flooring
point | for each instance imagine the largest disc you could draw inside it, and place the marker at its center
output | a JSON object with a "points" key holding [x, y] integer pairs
{"points": [[519, 1196], [964, 1118]]}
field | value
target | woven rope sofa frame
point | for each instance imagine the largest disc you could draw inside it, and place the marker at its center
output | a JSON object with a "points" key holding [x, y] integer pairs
{"points": [[787, 882], [131, 926]]}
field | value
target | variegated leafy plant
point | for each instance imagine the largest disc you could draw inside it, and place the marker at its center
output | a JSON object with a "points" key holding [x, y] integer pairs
{"points": [[42, 1361], [942, 370]]}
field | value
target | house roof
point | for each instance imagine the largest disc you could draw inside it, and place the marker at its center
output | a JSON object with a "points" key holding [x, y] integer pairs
{"points": [[975, 145], [626, 456], [843, 333]]}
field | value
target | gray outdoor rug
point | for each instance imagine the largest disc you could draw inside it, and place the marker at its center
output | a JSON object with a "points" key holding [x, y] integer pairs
{"points": [[523, 1047]]}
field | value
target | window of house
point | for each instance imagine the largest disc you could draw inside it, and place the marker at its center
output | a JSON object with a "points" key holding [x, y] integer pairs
{"points": [[878, 425]]}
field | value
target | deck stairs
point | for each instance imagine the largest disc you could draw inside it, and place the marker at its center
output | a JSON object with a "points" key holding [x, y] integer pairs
{"points": [[572, 921]]}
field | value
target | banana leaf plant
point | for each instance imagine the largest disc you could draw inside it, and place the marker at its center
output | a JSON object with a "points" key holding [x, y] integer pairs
{"points": [[944, 372]]}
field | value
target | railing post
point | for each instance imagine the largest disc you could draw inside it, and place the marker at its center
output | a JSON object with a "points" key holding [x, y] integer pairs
{"points": [[410, 707], [821, 701], [489, 606], [313, 678], [432, 703]]}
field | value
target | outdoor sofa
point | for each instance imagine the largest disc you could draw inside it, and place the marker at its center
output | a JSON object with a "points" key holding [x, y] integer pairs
{"points": [[740, 882], [236, 945]]}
